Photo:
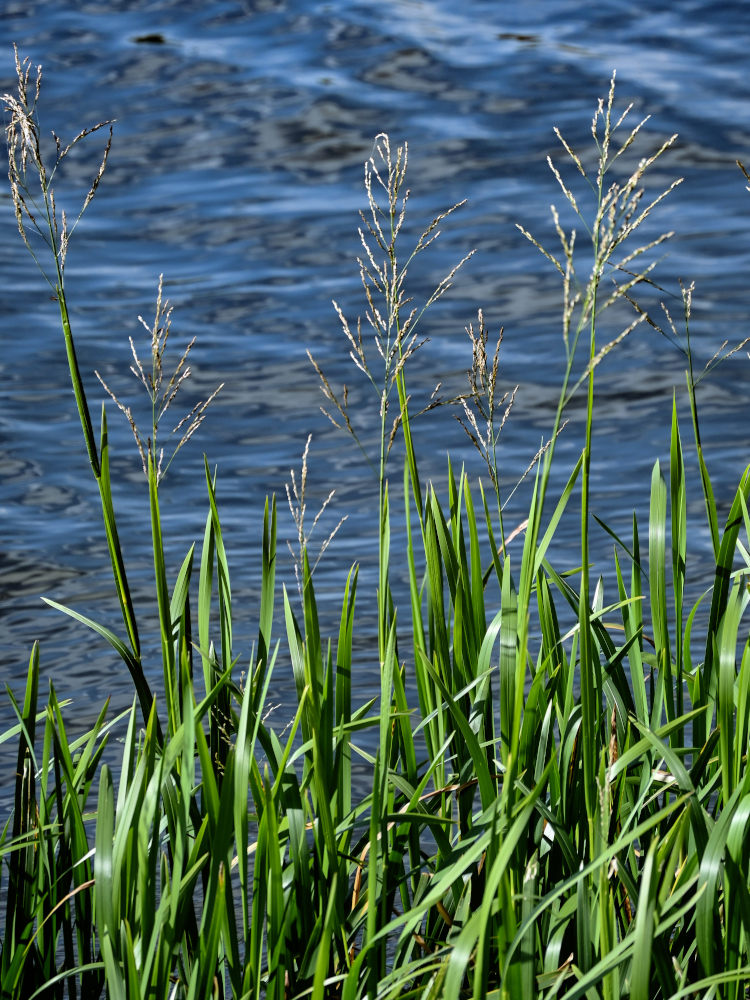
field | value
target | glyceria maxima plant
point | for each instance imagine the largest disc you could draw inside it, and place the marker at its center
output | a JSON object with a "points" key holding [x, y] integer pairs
{"points": [[561, 814], [391, 337], [36, 210], [619, 212], [130, 921]]}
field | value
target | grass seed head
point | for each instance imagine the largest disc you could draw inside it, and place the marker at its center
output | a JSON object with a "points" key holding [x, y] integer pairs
{"points": [[296, 495], [161, 395], [27, 166], [389, 314]]}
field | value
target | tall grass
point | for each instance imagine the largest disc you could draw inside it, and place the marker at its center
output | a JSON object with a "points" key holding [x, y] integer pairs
{"points": [[559, 814]]}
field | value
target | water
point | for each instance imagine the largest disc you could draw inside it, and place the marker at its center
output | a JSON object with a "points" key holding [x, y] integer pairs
{"points": [[236, 171]]}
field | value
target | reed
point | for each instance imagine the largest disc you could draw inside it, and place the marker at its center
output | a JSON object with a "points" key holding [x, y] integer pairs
{"points": [[560, 814]]}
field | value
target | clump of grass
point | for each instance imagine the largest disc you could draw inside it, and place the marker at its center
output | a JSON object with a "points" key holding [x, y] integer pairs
{"points": [[559, 815]]}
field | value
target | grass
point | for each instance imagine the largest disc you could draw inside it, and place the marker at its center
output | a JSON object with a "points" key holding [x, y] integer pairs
{"points": [[553, 811]]}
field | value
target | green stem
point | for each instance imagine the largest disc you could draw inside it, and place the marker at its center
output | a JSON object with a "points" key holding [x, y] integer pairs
{"points": [[590, 671], [171, 686], [75, 378], [100, 468], [383, 540]]}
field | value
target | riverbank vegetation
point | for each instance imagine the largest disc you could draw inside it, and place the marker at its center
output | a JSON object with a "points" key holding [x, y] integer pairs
{"points": [[549, 811]]}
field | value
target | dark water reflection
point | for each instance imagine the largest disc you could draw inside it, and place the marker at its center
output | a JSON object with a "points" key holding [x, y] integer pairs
{"points": [[236, 170]]}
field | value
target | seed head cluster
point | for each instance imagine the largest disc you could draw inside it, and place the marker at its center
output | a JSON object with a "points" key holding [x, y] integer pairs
{"points": [[161, 391]]}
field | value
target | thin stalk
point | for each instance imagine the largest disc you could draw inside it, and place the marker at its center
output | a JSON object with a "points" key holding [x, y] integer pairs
{"points": [[590, 679]]}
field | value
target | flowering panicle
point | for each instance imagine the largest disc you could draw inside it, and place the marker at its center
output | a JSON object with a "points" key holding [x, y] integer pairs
{"points": [[297, 499], [389, 314], [161, 393], [34, 208]]}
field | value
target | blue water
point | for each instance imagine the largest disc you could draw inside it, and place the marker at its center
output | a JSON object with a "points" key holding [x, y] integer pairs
{"points": [[236, 170]]}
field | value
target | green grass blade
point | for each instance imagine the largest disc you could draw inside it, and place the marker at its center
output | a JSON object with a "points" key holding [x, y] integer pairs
{"points": [[678, 508], [658, 584], [143, 691], [724, 566], [113, 542], [267, 593], [645, 924], [105, 828]]}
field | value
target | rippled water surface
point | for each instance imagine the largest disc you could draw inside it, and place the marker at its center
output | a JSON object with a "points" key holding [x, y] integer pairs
{"points": [[236, 170]]}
